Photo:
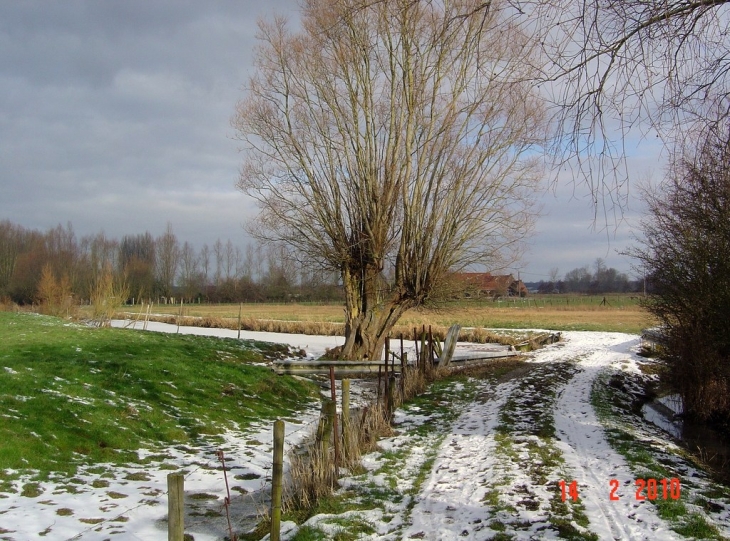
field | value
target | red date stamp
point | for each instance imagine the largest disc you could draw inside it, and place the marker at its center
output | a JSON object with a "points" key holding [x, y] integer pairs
{"points": [[645, 489]]}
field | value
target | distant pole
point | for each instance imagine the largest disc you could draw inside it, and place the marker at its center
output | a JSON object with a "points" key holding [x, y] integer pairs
{"points": [[147, 316], [240, 307], [179, 315]]}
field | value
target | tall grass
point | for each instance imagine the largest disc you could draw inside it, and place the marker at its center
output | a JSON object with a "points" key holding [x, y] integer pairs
{"points": [[325, 328], [555, 312], [313, 472]]}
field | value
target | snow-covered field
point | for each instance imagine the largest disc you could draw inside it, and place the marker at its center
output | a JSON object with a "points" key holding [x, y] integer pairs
{"points": [[484, 469]]}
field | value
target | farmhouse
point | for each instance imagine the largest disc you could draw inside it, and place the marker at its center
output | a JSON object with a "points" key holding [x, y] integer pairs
{"points": [[485, 284]]}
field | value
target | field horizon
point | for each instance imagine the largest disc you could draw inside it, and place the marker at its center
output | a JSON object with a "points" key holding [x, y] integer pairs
{"points": [[619, 313]]}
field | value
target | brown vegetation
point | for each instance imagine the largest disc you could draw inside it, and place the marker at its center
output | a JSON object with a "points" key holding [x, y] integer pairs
{"points": [[55, 295], [107, 296], [686, 253], [313, 473], [622, 313]]}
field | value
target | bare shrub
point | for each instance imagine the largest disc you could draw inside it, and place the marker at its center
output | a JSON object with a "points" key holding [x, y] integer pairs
{"points": [[107, 296], [373, 425], [54, 295], [686, 255], [7, 305], [413, 383]]}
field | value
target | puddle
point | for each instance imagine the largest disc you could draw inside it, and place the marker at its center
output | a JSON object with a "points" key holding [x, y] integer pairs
{"points": [[701, 439]]}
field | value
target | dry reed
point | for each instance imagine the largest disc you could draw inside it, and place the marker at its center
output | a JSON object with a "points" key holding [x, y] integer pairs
{"points": [[322, 328]]}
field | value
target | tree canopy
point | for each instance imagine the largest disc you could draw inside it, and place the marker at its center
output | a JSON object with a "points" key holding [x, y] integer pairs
{"points": [[395, 143], [653, 67]]}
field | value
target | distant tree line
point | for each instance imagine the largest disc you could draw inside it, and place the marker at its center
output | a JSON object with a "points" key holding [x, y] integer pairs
{"points": [[601, 280], [154, 268]]}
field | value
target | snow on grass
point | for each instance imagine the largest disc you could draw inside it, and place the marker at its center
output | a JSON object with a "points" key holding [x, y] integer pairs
{"points": [[315, 346], [481, 459], [105, 501]]}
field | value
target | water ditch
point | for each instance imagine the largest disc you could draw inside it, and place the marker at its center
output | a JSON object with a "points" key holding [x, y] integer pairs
{"points": [[705, 442]]}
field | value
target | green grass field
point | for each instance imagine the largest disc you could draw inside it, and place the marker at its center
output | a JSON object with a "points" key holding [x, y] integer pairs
{"points": [[71, 394]]}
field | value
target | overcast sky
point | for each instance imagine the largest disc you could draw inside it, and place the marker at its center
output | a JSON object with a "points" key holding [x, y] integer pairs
{"points": [[115, 116]]}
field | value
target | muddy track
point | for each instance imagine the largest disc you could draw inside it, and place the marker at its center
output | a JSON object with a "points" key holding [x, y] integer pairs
{"points": [[525, 433]]}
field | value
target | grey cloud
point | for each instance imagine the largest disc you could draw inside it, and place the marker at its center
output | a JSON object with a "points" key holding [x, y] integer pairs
{"points": [[115, 116]]}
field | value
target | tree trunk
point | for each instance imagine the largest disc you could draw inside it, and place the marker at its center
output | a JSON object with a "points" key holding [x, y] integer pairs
{"points": [[369, 318]]}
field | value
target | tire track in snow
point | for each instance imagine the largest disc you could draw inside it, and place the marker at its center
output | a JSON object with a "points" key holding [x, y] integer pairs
{"points": [[587, 452], [451, 501], [445, 507]]}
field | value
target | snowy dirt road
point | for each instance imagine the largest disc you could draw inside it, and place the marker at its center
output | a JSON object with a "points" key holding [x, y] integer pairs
{"points": [[490, 463]]}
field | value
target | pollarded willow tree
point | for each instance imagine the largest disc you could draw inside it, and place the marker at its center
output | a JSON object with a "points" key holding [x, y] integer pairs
{"points": [[394, 142]]}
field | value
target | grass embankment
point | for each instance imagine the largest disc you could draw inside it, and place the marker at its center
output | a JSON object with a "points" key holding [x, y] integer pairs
{"points": [[72, 395], [555, 312]]}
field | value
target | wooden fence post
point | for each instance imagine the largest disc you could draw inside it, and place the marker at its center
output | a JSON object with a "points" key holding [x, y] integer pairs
{"points": [[403, 373], [380, 375], [334, 421], [431, 359], [422, 355], [324, 430], [346, 443], [387, 379], [175, 507], [391, 397], [415, 342], [277, 480], [240, 308]]}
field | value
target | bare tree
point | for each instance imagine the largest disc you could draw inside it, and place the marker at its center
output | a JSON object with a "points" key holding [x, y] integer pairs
{"points": [[11, 245], [205, 266], [685, 250], [248, 264], [218, 253], [190, 276], [392, 133], [658, 66], [168, 260], [231, 261], [137, 263]]}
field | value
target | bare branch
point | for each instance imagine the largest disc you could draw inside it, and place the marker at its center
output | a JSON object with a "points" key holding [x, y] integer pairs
{"points": [[400, 134]]}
